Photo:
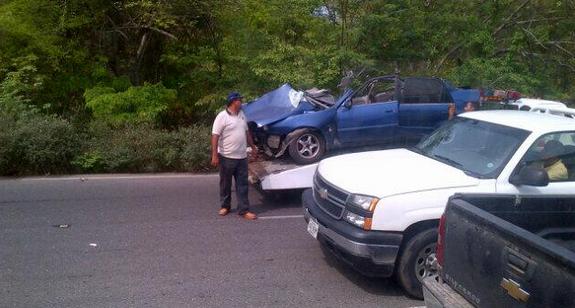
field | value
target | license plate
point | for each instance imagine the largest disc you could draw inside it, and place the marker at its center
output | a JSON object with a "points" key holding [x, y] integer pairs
{"points": [[312, 227]]}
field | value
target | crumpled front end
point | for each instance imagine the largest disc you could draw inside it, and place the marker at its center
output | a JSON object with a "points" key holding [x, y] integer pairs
{"points": [[275, 107]]}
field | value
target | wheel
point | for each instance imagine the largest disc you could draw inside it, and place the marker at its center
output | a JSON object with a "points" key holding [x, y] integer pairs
{"points": [[415, 262], [307, 148]]}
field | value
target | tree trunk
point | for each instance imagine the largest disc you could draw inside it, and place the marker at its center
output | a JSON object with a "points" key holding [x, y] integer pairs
{"points": [[135, 71]]}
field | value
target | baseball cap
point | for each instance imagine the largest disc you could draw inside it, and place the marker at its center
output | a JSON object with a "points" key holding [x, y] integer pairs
{"points": [[233, 96]]}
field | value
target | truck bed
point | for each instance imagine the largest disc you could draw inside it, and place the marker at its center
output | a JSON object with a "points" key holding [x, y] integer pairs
{"points": [[506, 251]]}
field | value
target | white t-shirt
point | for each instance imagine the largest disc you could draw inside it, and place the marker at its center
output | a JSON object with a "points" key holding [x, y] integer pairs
{"points": [[232, 131]]}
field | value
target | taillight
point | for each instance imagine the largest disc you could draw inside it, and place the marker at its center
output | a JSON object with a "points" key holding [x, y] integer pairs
{"points": [[440, 241]]}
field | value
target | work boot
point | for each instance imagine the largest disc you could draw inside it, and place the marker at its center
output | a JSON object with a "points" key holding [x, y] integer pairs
{"points": [[249, 216]]}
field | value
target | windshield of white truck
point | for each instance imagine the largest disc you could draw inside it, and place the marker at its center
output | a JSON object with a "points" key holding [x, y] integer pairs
{"points": [[480, 149]]}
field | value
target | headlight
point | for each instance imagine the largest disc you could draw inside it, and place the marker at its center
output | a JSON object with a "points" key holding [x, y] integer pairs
{"points": [[358, 220], [367, 203]]}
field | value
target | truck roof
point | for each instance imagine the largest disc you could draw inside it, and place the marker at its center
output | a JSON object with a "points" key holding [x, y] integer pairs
{"points": [[530, 121], [532, 102]]}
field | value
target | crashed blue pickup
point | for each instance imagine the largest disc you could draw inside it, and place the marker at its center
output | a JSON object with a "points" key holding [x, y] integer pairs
{"points": [[384, 110]]}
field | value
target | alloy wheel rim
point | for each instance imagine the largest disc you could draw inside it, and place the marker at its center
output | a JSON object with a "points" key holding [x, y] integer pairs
{"points": [[426, 262], [308, 145]]}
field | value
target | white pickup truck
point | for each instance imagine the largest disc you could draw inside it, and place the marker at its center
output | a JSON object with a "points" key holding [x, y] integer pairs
{"points": [[378, 211]]}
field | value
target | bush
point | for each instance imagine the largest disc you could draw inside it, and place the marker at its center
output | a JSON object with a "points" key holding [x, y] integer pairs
{"points": [[48, 145], [37, 145], [196, 150], [142, 148], [91, 162]]}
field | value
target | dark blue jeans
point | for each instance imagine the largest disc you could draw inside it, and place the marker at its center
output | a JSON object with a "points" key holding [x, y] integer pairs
{"points": [[238, 169]]}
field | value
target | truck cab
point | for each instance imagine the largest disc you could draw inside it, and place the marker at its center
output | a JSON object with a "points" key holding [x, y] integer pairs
{"points": [[379, 211]]}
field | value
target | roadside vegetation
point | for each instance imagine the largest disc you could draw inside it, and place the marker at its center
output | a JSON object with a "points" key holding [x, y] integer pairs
{"points": [[133, 86]]}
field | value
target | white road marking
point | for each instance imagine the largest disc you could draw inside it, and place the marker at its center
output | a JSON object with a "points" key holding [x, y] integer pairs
{"points": [[280, 217], [116, 177]]}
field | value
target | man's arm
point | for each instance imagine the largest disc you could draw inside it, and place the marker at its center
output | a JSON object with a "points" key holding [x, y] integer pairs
{"points": [[250, 140], [215, 158], [252, 144]]}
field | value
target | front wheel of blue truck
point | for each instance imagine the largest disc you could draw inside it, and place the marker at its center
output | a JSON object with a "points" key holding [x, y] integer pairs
{"points": [[413, 262], [307, 148]]}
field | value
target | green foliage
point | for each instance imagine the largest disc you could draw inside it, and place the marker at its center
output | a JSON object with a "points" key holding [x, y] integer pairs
{"points": [[136, 104], [204, 48], [16, 91], [494, 73], [90, 162], [36, 145], [170, 63], [141, 148], [282, 41]]}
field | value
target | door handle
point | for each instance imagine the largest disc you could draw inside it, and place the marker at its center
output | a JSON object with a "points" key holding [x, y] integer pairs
{"points": [[518, 264]]}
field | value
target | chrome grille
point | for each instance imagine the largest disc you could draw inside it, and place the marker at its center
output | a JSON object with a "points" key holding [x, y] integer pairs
{"points": [[329, 198]]}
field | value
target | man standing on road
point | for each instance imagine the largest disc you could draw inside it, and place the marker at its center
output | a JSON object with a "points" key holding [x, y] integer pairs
{"points": [[230, 136]]}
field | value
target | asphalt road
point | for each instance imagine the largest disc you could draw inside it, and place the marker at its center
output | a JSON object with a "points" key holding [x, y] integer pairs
{"points": [[157, 241]]}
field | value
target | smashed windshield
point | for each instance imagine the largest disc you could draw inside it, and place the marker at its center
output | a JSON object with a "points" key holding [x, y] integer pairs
{"points": [[480, 149]]}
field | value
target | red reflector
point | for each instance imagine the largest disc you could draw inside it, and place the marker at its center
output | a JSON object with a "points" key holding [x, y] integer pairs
{"points": [[513, 95], [440, 241]]}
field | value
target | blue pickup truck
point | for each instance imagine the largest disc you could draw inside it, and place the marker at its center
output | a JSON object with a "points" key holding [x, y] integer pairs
{"points": [[384, 110]]}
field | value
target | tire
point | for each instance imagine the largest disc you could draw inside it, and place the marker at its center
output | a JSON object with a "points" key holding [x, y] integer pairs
{"points": [[412, 268], [307, 148]]}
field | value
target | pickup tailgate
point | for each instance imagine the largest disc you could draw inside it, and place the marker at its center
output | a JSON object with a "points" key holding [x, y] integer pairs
{"points": [[504, 251]]}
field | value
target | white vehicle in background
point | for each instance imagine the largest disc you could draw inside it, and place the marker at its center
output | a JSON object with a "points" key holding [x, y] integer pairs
{"points": [[544, 106], [560, 111], [379, 211], [527, 104]]}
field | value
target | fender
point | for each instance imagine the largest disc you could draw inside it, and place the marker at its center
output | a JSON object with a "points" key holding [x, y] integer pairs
{"points": [[291, 137]]}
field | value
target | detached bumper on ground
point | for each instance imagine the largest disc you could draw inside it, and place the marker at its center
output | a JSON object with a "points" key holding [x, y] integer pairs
{"points": [[372, 253]]}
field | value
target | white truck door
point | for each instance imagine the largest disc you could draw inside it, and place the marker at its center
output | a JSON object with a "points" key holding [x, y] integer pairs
{"points": [[555, 152]]}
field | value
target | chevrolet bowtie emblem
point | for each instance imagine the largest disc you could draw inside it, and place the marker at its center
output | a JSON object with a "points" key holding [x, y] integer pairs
{"points": [[323, 193], [513, 289]]}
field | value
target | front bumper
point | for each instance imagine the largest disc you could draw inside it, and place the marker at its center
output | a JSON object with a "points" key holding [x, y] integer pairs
{"points": [[372, 253], [440, 295]]}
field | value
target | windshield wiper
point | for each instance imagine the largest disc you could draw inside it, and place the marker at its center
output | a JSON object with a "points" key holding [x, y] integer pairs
{"points": [[416, 150], [448, 160], [460, 166]]}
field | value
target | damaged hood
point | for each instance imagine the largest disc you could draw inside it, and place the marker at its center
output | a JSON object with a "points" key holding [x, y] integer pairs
{"points": [[391, 172], [274, 106]]}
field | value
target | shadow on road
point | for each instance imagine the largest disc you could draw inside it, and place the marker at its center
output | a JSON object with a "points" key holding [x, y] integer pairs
{"points": [[270, 201], [372, 285], [265, 201]]}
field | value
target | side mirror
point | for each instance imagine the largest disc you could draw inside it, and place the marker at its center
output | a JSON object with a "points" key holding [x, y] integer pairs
{"points": [[347, 104], [532, 176]]}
